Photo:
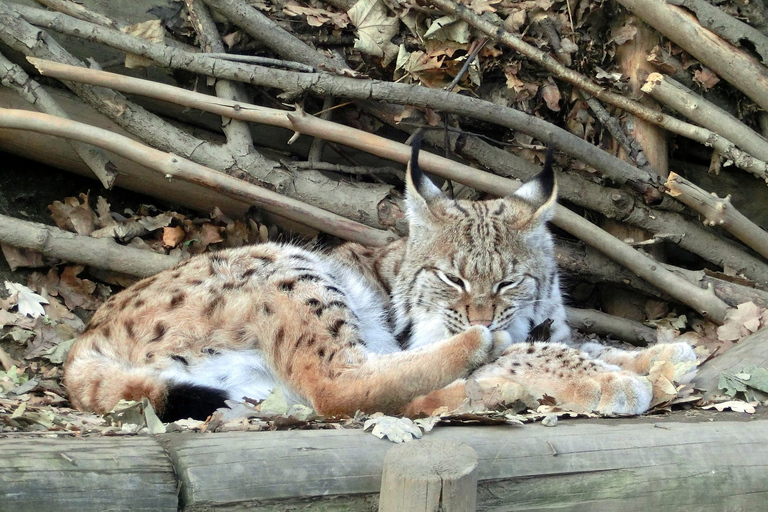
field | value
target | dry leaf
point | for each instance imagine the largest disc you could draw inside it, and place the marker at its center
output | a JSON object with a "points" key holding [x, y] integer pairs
{"points": [[77, 292], [71, 215], [734, 405], [741, 321], [28, 302], [17, 257], [448, 28], [152, 31], [623, 34], [375, 29], [173, 236], [481, 6], [397, 430], [551, 95], [706, 78], [316, 17]]}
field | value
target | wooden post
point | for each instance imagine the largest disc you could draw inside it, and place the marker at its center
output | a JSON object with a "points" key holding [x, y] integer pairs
{"points": [[429, 475]]}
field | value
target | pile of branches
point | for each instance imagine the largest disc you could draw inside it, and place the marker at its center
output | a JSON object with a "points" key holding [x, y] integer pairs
{"points": [[494, 82]]}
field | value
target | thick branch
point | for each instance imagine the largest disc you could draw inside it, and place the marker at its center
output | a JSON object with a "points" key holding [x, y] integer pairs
{"points": [[674, 95], [734, 65], [324, 84], [98, 252], [177, 167], [718, 212], [96, 159], [268, 32], [727, 27], [593, 321], [647, 114]]}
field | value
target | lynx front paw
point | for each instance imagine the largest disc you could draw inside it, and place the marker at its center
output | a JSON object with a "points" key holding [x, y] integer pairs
{"points": [[484, 345], [501, 341], [623, 393]]}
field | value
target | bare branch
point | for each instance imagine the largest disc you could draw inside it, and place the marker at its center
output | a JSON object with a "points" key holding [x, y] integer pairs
{"points": [[593, 321], [173, 166], [718, 212], [96, 159], [734, 65], [324, 84], [99, 252], [674, 95]]}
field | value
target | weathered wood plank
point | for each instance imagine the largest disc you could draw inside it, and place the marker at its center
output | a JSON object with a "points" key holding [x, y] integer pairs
{"points": [[85, 474], [582, 465]]}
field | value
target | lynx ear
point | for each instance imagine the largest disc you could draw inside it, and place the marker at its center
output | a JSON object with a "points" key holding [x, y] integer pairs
{"points": [[541, 190], [420, 192]]}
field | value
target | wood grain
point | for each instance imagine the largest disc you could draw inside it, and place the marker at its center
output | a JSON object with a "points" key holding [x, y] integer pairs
{"points": [[85, 474], [580, 465]]}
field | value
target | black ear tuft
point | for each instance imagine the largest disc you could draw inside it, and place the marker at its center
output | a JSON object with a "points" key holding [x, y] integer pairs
{"points": [[547, 174], [417, 175], [191, 401]]}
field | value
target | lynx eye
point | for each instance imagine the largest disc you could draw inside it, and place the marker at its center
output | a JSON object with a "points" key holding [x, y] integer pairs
{"points": [[503, 286], [452, 280]]}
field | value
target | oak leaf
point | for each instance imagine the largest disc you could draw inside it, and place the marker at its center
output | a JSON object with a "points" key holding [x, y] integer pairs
{"points": [[375, 29]]}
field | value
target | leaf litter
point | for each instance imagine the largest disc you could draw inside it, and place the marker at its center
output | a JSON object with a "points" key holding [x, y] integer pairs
{"points": [[39, 326]]}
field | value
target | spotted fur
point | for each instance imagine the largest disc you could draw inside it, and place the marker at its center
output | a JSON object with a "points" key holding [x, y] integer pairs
{"points": [[356, 329]]}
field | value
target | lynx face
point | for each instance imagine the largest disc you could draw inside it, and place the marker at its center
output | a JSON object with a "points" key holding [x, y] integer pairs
{"points": [[469, 263]]}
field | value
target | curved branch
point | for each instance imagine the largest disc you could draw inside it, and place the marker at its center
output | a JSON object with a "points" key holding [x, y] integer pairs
{"points": [[702, 301], [173, 166], [324, 84]]}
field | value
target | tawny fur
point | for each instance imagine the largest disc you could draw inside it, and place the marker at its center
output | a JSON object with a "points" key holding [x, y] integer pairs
{"points": [[392, 329]]}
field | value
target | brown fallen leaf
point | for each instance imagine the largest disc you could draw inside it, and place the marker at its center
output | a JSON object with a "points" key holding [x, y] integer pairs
{"points": [[173, 236], [17, 257], [72, 215]]}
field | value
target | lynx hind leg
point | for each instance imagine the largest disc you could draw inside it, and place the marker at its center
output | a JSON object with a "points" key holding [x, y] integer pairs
{"points": [[640, 361], [570, 377]]}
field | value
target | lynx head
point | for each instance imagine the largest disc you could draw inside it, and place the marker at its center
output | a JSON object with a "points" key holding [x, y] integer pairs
{"points": [[474, 262]]}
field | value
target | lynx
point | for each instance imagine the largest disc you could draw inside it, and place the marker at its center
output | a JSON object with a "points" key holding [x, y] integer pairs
{"points": [[393, 329]]}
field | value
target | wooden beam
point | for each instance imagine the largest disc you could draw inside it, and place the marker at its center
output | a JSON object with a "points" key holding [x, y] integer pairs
{"points": [[632, 464], [85, 474]]}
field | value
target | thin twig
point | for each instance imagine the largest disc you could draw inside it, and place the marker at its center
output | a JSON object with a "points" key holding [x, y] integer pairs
{"points": [[262, 61], [630, 146]]}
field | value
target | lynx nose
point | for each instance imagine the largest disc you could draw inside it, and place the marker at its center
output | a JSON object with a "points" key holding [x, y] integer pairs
{"points": [[486, 323]]}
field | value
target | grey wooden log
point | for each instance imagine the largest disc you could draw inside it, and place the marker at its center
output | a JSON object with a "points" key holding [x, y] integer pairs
{"points": [[429, 476], [633, 464], [85, 474]]}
